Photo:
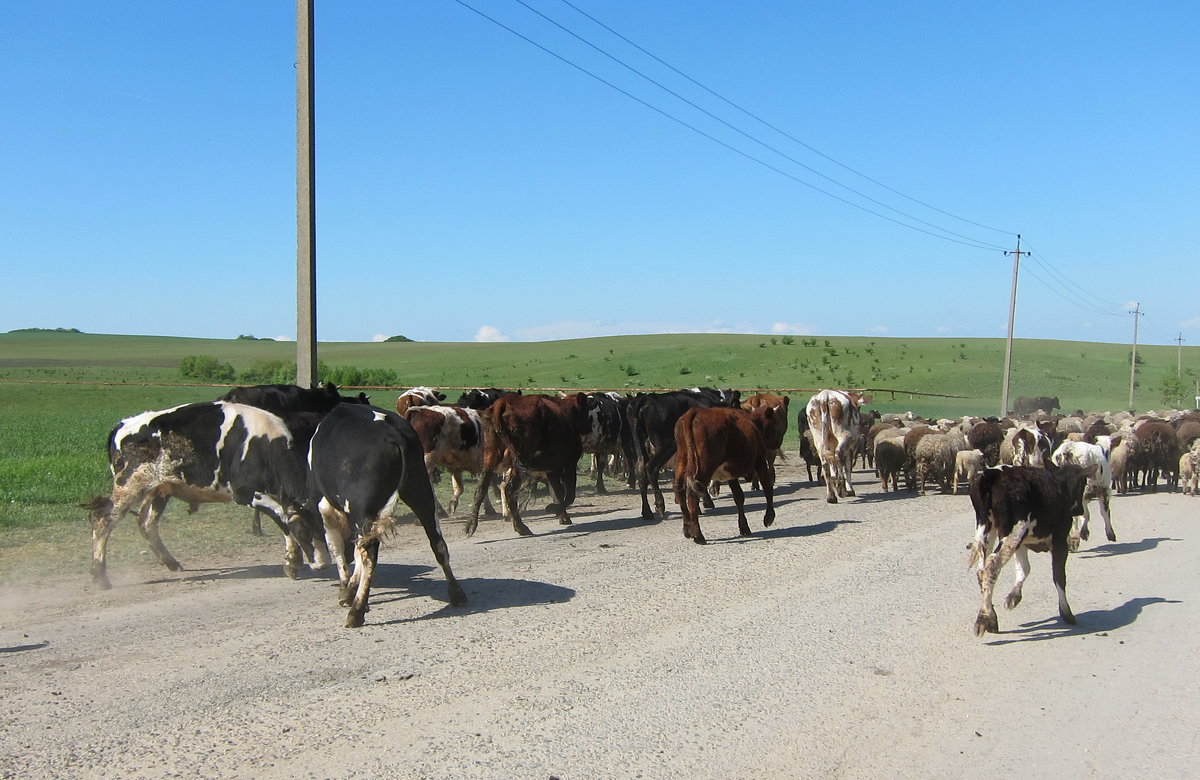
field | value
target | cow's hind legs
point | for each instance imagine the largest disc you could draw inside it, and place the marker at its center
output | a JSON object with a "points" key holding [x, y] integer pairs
{"points": [[366, 553], [1021, 556], [739, 499], [148, 518], [1058, 563]]}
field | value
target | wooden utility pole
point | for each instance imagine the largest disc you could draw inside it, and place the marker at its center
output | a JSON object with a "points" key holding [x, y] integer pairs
{"points": [[306, 211], [1179, 357], [1137, 312], [1012, 311]]}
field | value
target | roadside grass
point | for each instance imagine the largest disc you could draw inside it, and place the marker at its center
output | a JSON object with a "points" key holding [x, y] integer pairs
{"points": [[53, 434]]}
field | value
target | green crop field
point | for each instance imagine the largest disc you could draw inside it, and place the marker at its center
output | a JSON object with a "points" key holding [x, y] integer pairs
{"points": [[61, 393]]}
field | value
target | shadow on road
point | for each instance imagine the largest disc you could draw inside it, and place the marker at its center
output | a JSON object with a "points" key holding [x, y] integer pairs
{"points": [[1121, 548], [257, 572], [1093, 622], [397, 582], [24, 648]]}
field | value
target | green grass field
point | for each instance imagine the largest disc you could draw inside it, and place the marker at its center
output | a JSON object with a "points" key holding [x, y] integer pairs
{"points": [[61, 393]]}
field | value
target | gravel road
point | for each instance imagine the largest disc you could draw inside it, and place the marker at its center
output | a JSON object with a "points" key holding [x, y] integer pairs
{"points": [[837, 643]]}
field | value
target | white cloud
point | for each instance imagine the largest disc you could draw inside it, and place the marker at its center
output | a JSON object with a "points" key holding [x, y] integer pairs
{"points": [[943, 329], [795, 328], [378, 337], [490, 333], [1194, 322], [880, 329]]}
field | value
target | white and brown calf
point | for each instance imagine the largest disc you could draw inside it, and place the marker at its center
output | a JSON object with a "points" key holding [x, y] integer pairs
{"points": [[1099, 486]]}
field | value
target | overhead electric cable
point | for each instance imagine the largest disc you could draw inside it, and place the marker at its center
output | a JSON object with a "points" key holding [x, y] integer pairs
{"points": [[1066, 294], [1065, 279], [743, 133], [970, 242], [782, 132]]}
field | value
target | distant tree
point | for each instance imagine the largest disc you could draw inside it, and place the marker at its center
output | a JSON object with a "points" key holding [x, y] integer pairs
{"points": [[1174, 391], [269, 372], [205, 368], [401, 339]]}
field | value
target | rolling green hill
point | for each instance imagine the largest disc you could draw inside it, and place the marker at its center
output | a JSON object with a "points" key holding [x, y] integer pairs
{"points": [[1084, 375]]}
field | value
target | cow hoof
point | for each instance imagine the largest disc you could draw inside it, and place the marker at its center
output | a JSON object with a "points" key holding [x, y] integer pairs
{"points": [[355, 619], [699, 539], [831, 499], [986, 624], [1073, 544], [1012, 601], [458, 597], [1112, 536], [173, 564], [1084, 533], [564, 520], [472, 526], [522, 529], [649, 517], [769, 520], [553, 509], [292, 571], [102, 582]]}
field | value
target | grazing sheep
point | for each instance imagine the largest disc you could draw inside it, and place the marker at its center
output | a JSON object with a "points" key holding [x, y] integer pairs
{"points": [[987, 436], [1188, 432], [1161, 446], [911, 437], [889, 460], [1187, 474], [935, 457], [967, 463]]}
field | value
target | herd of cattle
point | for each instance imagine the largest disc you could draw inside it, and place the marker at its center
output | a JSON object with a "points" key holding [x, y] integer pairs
{"points": [[331, 470]]}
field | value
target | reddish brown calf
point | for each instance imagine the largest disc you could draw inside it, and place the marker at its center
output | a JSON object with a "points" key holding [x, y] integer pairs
{"points": [[721, 444]]}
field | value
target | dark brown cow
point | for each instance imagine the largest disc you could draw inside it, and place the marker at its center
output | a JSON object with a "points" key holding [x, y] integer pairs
{"points": [[538, 433], [721, 444], [1022, 508], [773, 435]]}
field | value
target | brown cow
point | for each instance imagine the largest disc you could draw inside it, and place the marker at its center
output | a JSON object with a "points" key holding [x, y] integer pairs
{"points": [[540, 434], [452, 437], [721, 444], [418, 396]]}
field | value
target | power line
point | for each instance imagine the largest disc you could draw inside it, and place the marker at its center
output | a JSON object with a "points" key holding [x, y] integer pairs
{"points": [[784, 133], [732, 127], [1067, 280], [969, 242]]}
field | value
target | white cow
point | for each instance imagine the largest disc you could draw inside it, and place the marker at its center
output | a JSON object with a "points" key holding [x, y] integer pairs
{"points": [[833, 418], [1099, 485]]}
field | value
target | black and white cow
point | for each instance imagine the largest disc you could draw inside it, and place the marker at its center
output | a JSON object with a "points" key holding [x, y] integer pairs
{"points": [[651, 419], [213, 451], [363, 461], [1018, 509], [301, 409], [604, 436], [480, 399]]}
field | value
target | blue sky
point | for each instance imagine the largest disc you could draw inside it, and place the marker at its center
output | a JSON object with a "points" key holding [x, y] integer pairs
{"points": [[471, 185]]}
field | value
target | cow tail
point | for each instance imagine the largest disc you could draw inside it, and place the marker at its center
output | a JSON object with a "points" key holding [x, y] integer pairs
{"points": [[693, 486], [981, 499]]}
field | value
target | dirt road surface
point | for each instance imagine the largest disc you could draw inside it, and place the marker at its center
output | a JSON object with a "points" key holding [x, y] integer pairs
{"points": [[835, 644]]}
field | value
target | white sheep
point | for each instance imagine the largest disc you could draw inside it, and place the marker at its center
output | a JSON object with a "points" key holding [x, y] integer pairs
{"points": [[967, 463]]}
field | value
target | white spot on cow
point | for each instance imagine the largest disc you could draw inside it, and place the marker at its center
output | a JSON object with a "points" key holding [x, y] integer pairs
{"points": [[379, 417]]}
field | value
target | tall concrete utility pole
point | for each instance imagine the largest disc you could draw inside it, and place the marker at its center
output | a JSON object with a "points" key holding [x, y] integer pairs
{"points": [[1012, 311], [1179, 357], [1137, 312], [306, 210]]}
